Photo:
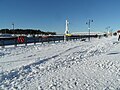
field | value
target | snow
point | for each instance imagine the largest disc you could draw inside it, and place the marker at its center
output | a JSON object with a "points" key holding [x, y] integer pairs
{"points": [[72, 65]]}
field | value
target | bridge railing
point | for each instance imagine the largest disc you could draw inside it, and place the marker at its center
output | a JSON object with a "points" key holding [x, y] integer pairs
{"points": [[4, 41]]}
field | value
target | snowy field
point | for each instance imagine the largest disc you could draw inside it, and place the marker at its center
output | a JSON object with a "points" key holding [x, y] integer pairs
{"points": [[72, 65]]}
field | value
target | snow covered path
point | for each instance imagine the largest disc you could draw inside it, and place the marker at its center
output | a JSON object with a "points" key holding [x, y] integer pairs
{"points": [[72, 65], [16, 57]]}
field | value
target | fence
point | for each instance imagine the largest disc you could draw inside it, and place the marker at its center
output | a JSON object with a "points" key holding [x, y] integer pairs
{"points": [[4, 41]]}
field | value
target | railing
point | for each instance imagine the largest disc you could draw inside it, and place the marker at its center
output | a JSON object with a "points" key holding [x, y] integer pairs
{"points": [[4, 41]]}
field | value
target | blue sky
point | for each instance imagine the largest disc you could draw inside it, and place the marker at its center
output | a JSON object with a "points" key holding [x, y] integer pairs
{"points": [[50, 15]]}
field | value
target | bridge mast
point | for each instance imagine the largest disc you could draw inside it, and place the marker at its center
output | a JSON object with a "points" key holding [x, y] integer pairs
{"points": [[67, 29]]}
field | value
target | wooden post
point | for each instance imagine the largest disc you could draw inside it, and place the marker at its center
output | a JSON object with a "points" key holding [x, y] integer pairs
{"points": [[42, 40], [2, 43], [59, 39], [47, 39], [54, 40], [63, 38], [26, 41], [15, 42], [34, 41]]}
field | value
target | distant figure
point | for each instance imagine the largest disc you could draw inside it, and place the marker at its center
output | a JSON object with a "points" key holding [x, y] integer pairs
{"points": [[118, 37]]}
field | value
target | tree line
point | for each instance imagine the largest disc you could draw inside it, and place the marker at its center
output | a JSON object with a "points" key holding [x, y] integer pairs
{"points": [[25, 31]]}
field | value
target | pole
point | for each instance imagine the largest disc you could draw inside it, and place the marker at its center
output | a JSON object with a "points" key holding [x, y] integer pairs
{"points": [[107, 28], [13, 25], [66, 30], [89, 29], [88, 23], [13, 28]]}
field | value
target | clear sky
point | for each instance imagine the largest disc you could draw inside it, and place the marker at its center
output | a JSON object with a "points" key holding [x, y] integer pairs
{"points": [[50, 15]]}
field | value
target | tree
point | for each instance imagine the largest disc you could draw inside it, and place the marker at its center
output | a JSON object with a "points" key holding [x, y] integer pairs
{"points": [[25, 31]]}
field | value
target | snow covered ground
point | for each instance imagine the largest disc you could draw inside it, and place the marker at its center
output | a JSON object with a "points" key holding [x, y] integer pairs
{"points": [[72, 65]]}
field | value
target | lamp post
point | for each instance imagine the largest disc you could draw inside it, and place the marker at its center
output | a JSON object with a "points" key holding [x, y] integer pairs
{"points": [[107, 28], [13, 27], [89, 23], [111, 31]]}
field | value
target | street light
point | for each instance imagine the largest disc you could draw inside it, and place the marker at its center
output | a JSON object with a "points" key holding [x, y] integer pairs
{"points": [[13, 25], [88, 23], [107, 28], [13, 28]]}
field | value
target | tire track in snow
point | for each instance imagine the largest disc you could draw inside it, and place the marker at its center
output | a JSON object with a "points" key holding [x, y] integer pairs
{"points": [[19, 60], [12, 74]]}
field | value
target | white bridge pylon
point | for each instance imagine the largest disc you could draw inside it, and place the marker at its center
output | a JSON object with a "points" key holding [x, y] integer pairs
{"points": [[67, 28]]}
